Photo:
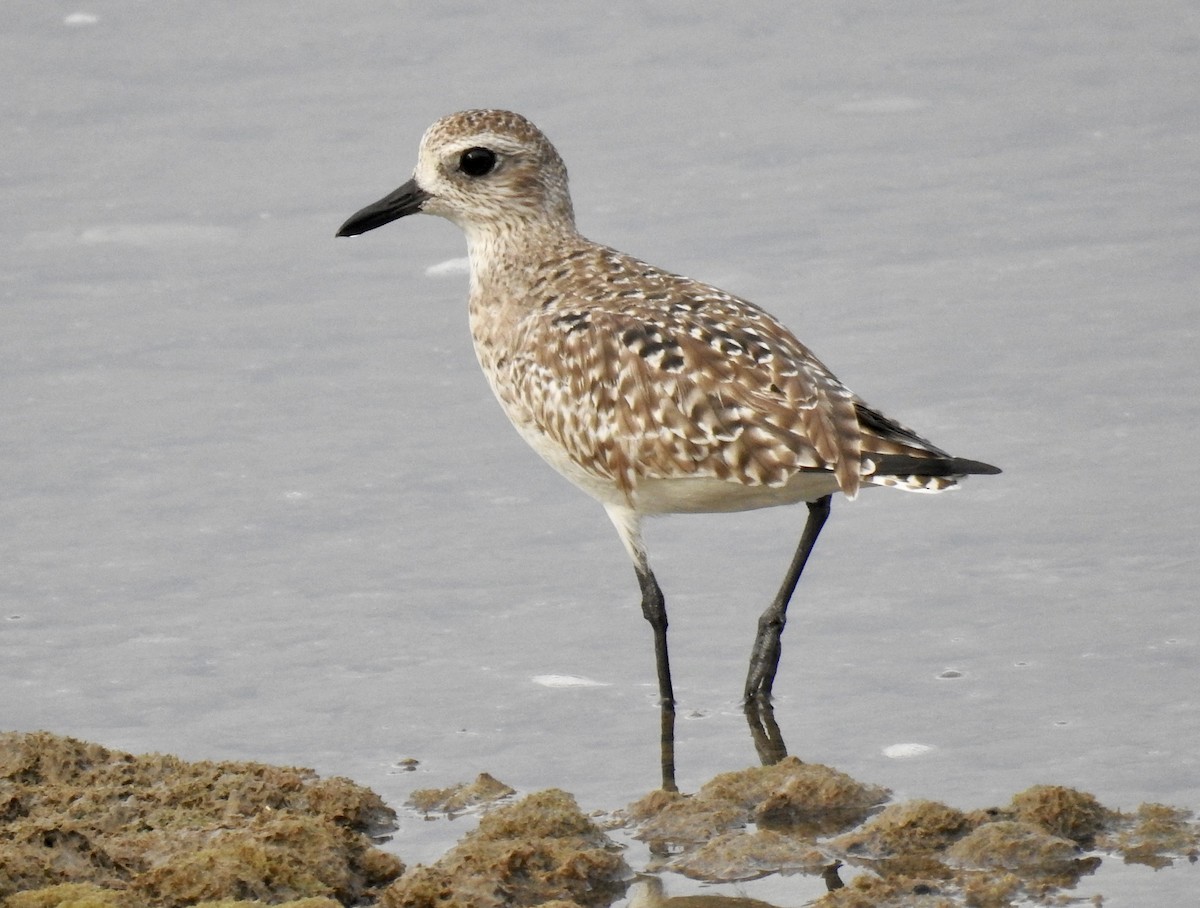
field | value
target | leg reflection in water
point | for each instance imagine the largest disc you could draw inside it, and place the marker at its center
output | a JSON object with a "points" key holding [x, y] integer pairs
{"points": [[764, 730]]}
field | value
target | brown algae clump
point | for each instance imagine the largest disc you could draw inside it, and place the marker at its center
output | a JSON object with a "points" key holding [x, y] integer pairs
{"points": [[1155, 835], [85, 895], [793, 793], [163, 831], [1065, 812], [67, 895], [788, 796], [1012, 845], [913, 827], [778, 819], [82, 826], [735, 856], [789, 803], [536, 850], [486, 789], [689, 822]]}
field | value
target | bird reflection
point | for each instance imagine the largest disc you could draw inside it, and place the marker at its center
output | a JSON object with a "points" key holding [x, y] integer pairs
{"points": [[648, 892]]}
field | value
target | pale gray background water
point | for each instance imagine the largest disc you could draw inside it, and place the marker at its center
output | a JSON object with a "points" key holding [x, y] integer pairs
{"points": [[257, 502]]}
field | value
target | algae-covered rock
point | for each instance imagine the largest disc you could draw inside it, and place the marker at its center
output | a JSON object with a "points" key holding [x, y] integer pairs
{"points": [[163, 831], [539, 849], [904, 829], [791, 793], [801, 799], [1060, 811], [1155, 835], [82, 826], [736, 856], [298, 903], [688, 822], [788, 803], [486, 789], [67, 895], [1015, 846]]}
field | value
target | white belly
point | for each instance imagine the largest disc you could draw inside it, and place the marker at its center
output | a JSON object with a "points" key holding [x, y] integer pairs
{"points": [[703, 495], [682, 495]]}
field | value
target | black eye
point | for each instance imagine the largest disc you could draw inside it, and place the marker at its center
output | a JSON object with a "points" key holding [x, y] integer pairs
{"points": [[475, 162]]}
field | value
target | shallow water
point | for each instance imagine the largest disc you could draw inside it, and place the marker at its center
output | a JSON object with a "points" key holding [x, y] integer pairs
{"points": [[258, 502]]}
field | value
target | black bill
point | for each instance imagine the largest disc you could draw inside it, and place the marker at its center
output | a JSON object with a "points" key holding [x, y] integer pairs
{"points": [[406, 200]]}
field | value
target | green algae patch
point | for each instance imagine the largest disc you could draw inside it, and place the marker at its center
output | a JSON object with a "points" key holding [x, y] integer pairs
{"points": [[161, 831], [540, 849]]}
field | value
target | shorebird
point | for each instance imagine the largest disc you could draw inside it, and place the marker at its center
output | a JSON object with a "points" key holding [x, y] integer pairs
{"points": [[652, 392]]}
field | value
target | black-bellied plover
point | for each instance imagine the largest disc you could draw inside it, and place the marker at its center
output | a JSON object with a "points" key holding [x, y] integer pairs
{"points": [[652, 392]]}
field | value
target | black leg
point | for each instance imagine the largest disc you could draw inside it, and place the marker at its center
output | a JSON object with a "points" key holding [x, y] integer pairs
{"points": [[666, 747], [654, 607], [764, 658]]}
